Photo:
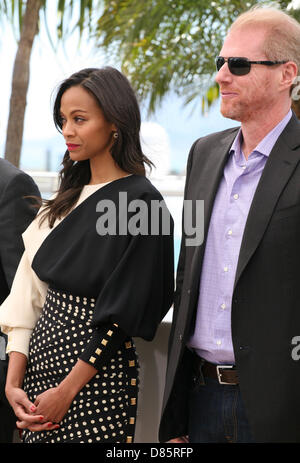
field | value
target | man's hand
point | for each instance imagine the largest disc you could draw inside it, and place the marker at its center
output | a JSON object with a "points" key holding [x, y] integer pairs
{"points": [[179, 440]]}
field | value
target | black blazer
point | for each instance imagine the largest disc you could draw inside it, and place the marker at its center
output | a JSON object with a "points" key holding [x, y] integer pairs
{"points": [[16, 213], [265, 305]]}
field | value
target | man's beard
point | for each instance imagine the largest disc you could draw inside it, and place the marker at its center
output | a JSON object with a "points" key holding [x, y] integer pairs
{"points": [[234, 112], [245, 111]]}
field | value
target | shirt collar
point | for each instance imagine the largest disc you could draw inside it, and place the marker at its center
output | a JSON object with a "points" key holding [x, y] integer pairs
{"points": [[266, 144]]}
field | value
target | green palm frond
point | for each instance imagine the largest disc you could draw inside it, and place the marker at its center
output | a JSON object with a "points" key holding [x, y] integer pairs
{"points": [[78, 13], [168, 45]]}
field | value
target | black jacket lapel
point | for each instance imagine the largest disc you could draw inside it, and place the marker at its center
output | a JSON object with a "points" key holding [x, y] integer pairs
{"points": [[279, 167]]}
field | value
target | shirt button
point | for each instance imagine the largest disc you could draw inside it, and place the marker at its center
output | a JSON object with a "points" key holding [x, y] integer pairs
{"points": [[223, 306], [236, 196], [225, 269], [229, 232], [219, 342]]}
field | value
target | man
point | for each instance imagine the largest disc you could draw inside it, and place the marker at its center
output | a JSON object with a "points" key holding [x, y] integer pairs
{"points": [[232, 374], [16, 213]]}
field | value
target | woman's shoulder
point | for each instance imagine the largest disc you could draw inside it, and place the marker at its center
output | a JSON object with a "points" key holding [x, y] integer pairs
{"points": [[142, 187]]}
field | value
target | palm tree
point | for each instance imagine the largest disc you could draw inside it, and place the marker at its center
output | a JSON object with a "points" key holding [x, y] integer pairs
{"points": [[169, 46], [27, 14]]}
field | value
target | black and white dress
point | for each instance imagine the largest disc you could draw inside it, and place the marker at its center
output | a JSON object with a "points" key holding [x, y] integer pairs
{"points": [[89, 295]]}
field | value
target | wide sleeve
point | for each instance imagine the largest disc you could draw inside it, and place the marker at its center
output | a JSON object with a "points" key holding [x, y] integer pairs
{"points": [[139, 291], [136, 296], [21, 309]]}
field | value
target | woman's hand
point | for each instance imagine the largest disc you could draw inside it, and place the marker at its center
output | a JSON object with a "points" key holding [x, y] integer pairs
{"points": [[53, 404], [49, 407], [25, 411]]}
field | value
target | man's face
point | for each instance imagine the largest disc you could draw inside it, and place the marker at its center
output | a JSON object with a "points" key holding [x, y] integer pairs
{"points": [[244, 98]]}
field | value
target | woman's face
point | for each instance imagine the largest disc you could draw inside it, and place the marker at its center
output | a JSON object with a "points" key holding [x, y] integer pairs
{"points": [[86, 131]]}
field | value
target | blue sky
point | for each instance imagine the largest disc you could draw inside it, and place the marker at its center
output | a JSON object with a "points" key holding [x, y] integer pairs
{"points": [[48, 69]]}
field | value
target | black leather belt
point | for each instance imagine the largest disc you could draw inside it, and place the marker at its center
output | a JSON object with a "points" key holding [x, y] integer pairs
{"points": [[225, 374]]}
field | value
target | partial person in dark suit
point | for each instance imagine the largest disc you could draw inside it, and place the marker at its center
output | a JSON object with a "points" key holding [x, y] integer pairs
{"points": [[233, 367], [16, 213]]}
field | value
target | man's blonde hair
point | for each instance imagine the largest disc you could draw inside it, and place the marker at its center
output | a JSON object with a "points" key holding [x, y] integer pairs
{"points": [[283, 32]]}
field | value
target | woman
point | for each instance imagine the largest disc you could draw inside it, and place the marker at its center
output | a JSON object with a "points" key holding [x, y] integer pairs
{"points": [[86, 283]]}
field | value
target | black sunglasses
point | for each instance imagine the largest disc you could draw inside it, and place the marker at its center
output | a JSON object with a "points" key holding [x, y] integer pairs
{"points": [[241, 66]]}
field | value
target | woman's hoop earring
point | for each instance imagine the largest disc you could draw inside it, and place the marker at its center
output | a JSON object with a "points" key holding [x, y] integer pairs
{"points": [[115, 135]]}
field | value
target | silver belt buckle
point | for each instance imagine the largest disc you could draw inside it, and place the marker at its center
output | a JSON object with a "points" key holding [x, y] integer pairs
{"points": [[219, 374]]}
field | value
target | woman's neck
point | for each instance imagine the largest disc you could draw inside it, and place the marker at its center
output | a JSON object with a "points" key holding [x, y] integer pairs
{"points": [[105, 172]]}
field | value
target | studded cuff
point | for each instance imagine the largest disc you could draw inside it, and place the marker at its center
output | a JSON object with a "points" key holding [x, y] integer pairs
{"points": [[102, 345]]}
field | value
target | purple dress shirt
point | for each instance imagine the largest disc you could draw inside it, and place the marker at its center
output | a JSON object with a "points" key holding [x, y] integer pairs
{"points": [[212, 336]]}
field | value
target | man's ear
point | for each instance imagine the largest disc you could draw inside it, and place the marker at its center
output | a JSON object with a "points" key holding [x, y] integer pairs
{"points": [[289, 73]]}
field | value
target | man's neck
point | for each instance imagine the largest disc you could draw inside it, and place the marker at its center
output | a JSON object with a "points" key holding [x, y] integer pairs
{"points": [[254, 131]]}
